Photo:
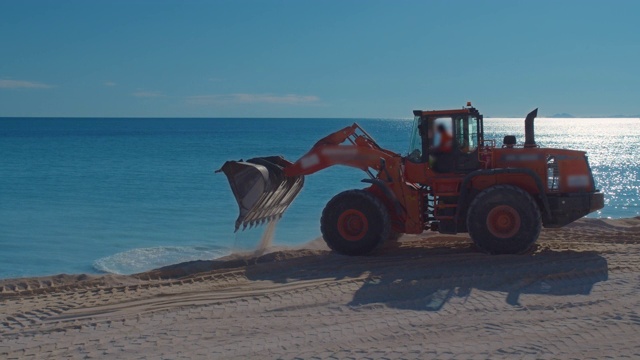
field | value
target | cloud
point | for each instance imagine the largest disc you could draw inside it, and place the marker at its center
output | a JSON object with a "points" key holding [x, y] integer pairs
{"points": [[148, 94], [223, 99], [22, 84], [110, 83]]}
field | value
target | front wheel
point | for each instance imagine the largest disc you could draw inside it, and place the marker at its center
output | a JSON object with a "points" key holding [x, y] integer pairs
{"points": [[504, 219], [355, 222]]}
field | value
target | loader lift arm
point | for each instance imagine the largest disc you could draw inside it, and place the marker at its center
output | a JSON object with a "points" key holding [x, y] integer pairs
{"points": [[264, 187], [362, 152]]}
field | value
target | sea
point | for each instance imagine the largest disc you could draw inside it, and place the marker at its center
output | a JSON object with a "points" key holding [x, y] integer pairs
{"points": [[92, 195]]}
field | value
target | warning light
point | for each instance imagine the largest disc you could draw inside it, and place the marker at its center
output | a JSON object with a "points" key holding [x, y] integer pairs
{"points": [[469, 103]]}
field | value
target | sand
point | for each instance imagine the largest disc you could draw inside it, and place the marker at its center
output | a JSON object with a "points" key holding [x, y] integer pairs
{"points": [[267, 237], [576, 295]]}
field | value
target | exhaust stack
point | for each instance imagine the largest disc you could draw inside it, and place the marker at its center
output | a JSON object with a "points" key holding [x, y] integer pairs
{"points": [[529, 137]]}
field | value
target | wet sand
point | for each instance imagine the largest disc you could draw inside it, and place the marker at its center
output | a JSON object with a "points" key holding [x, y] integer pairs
{"points": [[576, 295]]}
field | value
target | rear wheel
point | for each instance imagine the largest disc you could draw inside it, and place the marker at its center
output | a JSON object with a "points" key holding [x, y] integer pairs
{"points": [[394, 236], [355, 222], [504, 219]]}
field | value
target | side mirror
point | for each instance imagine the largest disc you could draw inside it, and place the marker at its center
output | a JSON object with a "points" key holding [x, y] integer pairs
{"points": [[509, 141]]}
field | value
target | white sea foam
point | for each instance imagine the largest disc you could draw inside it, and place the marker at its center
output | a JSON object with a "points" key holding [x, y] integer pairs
{"points": [[144, 259]]}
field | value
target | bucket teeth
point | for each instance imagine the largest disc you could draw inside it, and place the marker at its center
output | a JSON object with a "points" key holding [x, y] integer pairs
{"points": [[261, 189]]}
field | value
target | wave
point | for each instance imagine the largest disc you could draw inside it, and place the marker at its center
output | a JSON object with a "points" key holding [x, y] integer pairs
{"points": [[145, 259]]}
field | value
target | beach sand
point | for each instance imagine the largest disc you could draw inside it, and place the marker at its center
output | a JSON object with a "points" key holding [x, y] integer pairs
{"points": [[577, 295]]}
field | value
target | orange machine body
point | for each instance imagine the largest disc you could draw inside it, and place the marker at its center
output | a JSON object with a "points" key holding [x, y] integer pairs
{"points": [[419, 194]]}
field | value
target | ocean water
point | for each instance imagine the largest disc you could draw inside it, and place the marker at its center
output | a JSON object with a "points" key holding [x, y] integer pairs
{"points": [[128, 195]]}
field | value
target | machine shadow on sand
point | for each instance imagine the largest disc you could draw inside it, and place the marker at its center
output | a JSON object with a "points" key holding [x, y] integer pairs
{"points": [[425, 279], [420, 278], [549, 273]]}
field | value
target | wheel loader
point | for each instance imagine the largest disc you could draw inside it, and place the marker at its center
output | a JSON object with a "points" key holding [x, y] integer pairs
{"points": [[501, 194]]}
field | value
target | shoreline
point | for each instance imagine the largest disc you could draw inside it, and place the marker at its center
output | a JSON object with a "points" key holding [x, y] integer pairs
{"points": [[245, 258]]}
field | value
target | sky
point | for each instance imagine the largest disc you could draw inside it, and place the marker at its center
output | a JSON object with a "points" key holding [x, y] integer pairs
{"points": [[302, 58]]}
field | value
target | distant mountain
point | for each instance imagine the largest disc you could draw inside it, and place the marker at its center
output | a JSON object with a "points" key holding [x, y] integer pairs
{"points": [[565, 116], [562, 115]]}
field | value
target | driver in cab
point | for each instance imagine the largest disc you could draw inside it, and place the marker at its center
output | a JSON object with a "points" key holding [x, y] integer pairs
{"points": [[444, 140]]}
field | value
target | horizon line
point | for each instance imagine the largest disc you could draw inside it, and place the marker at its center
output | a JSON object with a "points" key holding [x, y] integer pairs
{"points": [[297, 117]]}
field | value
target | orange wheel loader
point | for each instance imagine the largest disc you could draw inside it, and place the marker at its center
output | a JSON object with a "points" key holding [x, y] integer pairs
{"points": [[501, 195]]}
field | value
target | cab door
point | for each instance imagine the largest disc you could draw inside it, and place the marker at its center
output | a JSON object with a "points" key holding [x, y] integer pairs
{"points": [[466, 130]]}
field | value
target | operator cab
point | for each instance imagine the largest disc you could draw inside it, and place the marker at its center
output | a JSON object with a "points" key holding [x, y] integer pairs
{"points": [[446, 139]]}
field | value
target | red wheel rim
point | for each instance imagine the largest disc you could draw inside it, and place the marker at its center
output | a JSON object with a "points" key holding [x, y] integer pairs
{"points": [[503, 221], [353, 225]]}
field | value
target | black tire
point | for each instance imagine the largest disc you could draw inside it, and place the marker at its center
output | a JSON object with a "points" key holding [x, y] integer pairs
{"points": [[355, 222], [504, 219], [394, 236]]}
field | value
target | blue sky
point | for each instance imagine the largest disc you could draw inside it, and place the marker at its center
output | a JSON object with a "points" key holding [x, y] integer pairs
{"points": [[374, 59]]}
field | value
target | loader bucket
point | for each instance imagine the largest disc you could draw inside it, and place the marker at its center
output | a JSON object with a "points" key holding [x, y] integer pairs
{"points": [[261, 189]]}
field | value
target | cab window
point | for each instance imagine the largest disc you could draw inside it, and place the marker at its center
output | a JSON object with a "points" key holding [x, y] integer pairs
{"points": [[466, 134], [415, 143]]}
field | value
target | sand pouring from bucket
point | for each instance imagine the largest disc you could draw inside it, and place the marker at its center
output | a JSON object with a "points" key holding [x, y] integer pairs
{"points": [[261, 189]]}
